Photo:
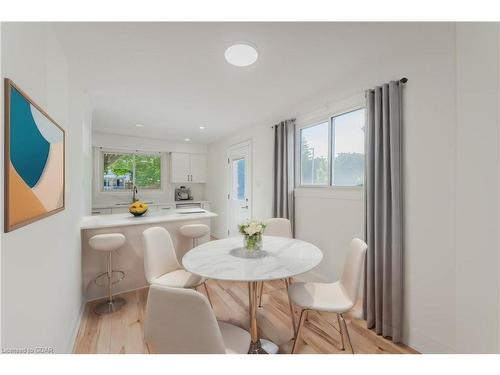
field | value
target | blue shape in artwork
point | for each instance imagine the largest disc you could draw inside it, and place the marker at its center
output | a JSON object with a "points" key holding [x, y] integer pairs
{"points": [[29, 150]]}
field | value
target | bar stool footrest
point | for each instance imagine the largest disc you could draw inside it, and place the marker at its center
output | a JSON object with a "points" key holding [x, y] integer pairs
{"points": [[120, 277]]}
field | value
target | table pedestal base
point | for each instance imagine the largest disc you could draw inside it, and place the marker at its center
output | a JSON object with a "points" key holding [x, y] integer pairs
{"points": [[257, 346], [269, 347], [263, 346]]}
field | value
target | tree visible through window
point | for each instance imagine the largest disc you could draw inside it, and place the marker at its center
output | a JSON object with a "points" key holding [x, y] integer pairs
{"points": [[346, 145], [121, 171], [314, 155], [349, 148]]}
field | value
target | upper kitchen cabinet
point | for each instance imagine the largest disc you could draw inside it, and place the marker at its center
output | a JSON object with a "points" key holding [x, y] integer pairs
{"points": [[188, 168]]}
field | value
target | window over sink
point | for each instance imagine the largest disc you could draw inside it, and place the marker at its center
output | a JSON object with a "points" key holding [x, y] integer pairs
{"points": [[121, 171]]}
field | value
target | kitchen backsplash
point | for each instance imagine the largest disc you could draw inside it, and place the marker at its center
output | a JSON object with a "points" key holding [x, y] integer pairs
{"points": [[110, 198]]}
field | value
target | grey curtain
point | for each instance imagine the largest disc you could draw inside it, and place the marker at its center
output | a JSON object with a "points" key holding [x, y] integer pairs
{"points": [[383, 294], [284, 171]]}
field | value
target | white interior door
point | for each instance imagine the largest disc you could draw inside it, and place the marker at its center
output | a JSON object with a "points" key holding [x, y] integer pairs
{"points": [[240, 183]]}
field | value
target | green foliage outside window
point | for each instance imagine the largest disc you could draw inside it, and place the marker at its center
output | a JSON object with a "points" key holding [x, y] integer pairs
{"points": [[123, 171]]}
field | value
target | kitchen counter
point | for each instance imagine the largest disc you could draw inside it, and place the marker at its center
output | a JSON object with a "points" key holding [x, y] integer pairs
{"points": [[130, 257], [154, 204], [127, 219]]}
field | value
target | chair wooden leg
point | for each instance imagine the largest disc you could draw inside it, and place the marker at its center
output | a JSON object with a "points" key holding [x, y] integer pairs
{"points": [[303, 315], [290, 303], [341, 332], [347, 333], [208, 295], [261, 291]]}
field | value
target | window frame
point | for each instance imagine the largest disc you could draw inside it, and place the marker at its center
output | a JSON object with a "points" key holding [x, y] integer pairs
{"points": [[328, 117], [100, 169], [299, 152]]}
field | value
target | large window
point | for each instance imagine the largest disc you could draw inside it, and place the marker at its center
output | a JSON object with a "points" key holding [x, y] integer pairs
{"points": [[332, 152], [122, 171]]}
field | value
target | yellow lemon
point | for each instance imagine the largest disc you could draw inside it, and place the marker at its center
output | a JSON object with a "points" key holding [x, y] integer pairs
{"points": [[138, 208]]}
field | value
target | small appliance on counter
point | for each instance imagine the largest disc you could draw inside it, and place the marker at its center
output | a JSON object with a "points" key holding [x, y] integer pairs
{"points": [[183, 193]]}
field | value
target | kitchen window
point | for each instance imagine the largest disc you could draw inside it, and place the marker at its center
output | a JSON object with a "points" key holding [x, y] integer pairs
{"points": [[121, 171], [332, 152]]}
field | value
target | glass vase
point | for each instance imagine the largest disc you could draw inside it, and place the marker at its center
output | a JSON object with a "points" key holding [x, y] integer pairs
{"points": [[253, 242]]}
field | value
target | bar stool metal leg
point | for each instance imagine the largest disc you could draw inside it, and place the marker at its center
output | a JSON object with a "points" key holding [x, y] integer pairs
{"points": [[111, 304]]}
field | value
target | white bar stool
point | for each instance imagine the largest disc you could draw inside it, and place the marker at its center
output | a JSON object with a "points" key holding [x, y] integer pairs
{"points": [[194, 231], [108, 242]]}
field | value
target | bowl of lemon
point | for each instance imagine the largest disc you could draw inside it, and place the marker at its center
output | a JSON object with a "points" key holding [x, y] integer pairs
{"points": [[138, 208]]}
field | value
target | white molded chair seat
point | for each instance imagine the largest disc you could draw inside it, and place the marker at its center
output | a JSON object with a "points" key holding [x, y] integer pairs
{"points": [[179, 279], [236, 340], [338, 297], [320, 296], [180, 321], [279, 227], [161, 265]]}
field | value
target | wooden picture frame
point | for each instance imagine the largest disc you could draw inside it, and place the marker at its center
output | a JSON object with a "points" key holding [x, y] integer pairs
{"points": [[34, 161]]}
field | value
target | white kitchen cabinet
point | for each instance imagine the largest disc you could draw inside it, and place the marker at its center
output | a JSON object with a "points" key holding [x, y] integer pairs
{"points": [[180, 167], [185, 168], [198, 168]]}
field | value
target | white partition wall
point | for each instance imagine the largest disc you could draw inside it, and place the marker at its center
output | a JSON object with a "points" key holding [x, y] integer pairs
{"points": [[41, 262]]}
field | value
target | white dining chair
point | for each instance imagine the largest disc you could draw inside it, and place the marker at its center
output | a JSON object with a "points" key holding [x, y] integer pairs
{"points": [[180, 321], [278, 227], [161, 266], [338, 297]]}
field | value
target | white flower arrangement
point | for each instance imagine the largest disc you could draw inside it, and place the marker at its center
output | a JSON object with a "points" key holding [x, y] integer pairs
{"points": [[253, 234]]}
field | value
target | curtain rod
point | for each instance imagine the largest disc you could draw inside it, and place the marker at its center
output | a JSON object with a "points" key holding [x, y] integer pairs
{"points": [[402, 80]]}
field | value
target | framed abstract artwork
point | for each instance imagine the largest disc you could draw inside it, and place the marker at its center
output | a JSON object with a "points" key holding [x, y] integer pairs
{"points": [[34, 161]]}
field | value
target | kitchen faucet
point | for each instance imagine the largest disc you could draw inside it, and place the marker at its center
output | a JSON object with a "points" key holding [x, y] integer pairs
{"points": [[134, 194]]}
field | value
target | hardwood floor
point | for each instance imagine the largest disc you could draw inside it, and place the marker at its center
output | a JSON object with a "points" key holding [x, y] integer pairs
{"points": [[122, 332]]}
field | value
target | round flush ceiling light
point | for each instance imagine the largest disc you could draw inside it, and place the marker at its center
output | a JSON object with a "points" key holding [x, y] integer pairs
{"points": [[187, 139], [139, 125], [202, 128], [241, 54]]}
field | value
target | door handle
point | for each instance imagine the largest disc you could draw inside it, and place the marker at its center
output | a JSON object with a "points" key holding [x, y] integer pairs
{"points": [[245, 207]]}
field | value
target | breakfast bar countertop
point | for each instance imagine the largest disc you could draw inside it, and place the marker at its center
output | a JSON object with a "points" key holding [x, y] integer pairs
{"points": [[127, 219]]}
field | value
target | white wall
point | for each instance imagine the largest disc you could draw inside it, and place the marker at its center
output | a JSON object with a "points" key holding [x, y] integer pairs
{"points": [[262, 139], [41, 262], [123, 142], [477, 146], [429, 160]]}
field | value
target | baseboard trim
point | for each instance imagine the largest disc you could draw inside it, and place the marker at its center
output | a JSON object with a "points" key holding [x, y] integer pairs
{"points": [[76, 328]]}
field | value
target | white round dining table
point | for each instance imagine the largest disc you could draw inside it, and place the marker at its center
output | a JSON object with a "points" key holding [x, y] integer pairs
{"points": [[227, 259]]}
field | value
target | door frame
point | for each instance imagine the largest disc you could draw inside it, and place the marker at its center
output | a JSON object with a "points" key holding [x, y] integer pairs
{"points": [[246, 143]]}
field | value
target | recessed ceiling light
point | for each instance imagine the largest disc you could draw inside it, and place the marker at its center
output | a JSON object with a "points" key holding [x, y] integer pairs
{"points": [[202, 128], [139, 125], [241, 54], [187, 139]]}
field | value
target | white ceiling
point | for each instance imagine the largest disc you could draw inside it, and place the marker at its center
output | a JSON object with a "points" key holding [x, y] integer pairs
{"points": [[172, 77]]}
